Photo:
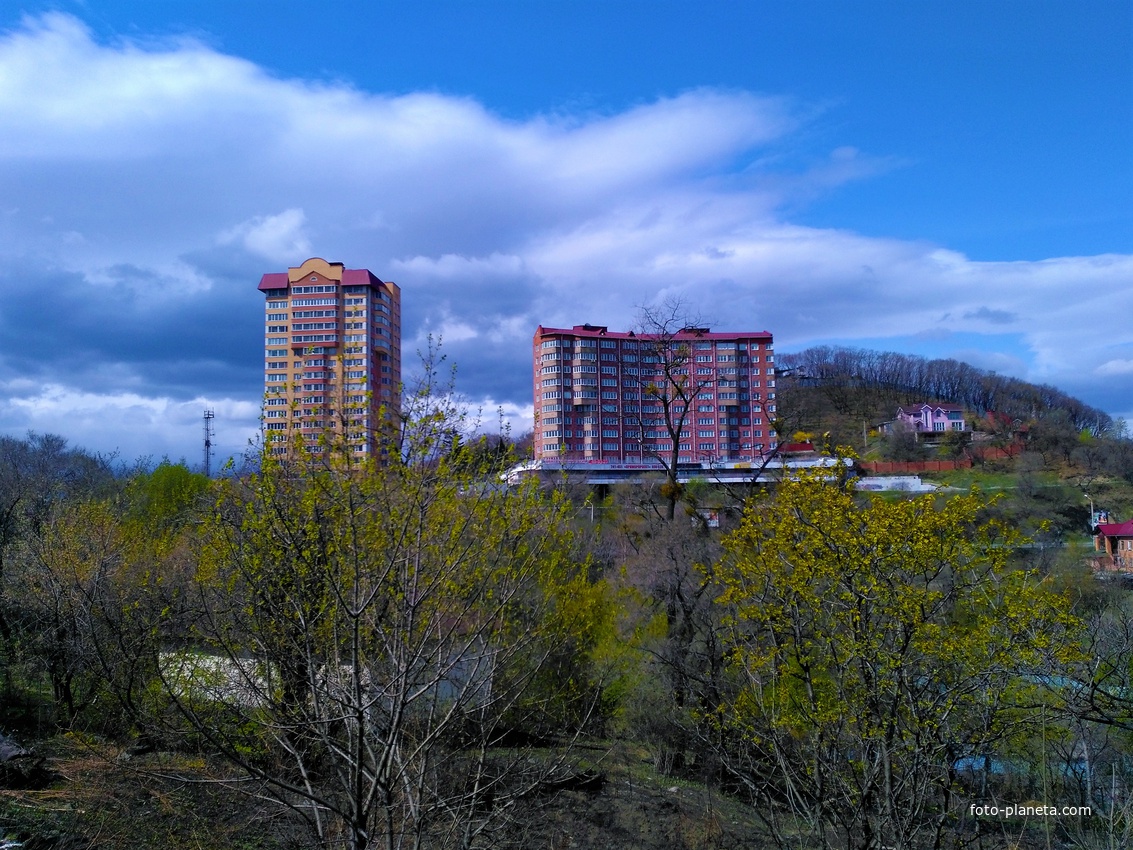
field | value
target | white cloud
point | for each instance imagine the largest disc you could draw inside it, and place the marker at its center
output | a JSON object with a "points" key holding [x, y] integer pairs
{"points": [[108, 421], [1115, 367], [450, 331], [453, 267], [499, 417], [279, 238], [152, 185]]}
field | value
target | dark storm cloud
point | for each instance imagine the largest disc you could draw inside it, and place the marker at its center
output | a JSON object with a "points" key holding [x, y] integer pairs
{"points": [[133, 328], [500, 373]]}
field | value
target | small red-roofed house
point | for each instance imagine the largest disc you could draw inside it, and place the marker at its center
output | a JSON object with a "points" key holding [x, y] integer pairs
{"points": [[1115, 539]]}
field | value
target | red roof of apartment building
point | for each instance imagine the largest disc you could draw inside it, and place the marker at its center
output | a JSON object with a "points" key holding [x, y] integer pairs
{"points": [[684, 333]]}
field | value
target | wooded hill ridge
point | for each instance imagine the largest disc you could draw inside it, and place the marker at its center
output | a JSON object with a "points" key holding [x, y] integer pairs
{"points": [[866, 384]]}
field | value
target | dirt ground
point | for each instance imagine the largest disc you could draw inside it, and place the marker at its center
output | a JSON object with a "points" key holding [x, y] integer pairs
{"points": [[99, 799]]}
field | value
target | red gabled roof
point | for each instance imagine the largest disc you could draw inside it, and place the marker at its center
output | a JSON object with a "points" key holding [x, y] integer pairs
{"points": [[274, 280], [362, 277], [1116, 529]]}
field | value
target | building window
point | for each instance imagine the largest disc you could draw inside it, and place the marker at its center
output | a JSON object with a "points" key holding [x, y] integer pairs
{"points": [[313, 302], [307, 290]]}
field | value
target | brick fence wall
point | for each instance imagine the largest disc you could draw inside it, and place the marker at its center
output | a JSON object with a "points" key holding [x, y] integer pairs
{"points": [[898, 467]]}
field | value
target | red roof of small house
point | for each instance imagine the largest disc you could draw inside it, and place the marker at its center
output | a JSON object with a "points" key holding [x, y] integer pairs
{"points": [[1116, 529]]}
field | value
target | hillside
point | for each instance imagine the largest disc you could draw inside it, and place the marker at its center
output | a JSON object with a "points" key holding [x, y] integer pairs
{"points": [[1065, 452], [843, 389]]}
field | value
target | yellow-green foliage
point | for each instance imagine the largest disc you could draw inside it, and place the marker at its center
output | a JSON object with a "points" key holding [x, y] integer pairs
{"points": [[91, 596], [400, 615], [873, 642], [397, 566], [165, 497]]}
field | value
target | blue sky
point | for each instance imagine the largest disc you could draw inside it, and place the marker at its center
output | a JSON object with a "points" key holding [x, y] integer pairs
{"points": [[945, 178]]}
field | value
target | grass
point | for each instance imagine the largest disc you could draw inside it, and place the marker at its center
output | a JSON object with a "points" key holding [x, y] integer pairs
{"points": [[989, 481]]}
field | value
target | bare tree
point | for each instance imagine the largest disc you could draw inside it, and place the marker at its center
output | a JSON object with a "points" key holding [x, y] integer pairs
{"points": [[669, 385], [369, 637]]}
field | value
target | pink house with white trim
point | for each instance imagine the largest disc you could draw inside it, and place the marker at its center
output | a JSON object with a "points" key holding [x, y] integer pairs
{"points": [[930, 418]]}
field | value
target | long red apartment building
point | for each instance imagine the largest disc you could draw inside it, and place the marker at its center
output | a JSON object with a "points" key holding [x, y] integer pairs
{"points": [[597, 395], [332, 355]]}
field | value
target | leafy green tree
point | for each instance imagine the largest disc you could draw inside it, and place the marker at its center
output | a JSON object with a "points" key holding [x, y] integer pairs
{"points": [[38, 474], [166, 497], [873, 644], [78, 550], [94, 587]]}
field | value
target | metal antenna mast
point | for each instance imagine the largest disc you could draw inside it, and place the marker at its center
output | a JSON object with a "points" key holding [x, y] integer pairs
{"points": [[209, 416]]}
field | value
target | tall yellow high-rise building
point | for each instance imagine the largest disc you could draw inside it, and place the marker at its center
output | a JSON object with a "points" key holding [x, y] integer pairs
{"points": [[332, 356]]}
